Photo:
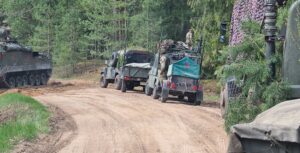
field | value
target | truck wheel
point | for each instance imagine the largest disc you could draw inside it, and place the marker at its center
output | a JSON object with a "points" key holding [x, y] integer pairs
{"points": [[197, 103], [130, 86], [181, 97], [192, 98], [123, 87], [118, 83], [163, 100], [148, 90], [155, 93], [103, 82]]}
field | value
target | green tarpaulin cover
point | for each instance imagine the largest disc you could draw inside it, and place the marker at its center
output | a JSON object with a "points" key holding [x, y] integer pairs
{"points": [[185, 67]]}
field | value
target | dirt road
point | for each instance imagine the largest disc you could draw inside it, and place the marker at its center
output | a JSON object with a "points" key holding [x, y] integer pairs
{"points": [[109, 121]]}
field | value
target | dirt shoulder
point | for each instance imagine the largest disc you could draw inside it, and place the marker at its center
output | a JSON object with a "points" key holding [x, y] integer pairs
{"points": [[62, 131]]}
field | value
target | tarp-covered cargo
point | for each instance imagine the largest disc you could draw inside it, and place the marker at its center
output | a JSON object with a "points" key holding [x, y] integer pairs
{"points": [[185, 67], [276, 130]]}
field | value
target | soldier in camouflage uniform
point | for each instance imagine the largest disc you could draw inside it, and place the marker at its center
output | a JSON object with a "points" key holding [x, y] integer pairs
{"points": [[189, 38], [4, 29], [164, 61]]}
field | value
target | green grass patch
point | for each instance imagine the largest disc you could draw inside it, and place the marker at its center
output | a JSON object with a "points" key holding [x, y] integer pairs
{"points": [[25, 119]]}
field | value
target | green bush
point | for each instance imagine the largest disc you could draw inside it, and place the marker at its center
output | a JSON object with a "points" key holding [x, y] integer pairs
{"points": [[250, 68]]}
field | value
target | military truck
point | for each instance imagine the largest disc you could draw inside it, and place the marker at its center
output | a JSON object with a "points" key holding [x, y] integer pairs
{"points": [[276, 130], [183, 74], [19, 65], [127, 69]]}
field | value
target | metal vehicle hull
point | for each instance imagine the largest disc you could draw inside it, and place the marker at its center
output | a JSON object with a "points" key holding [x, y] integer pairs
{"points": [[24, 68]]}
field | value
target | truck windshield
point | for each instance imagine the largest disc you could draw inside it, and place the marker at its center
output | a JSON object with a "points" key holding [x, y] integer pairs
{"points": [[138, 58]]}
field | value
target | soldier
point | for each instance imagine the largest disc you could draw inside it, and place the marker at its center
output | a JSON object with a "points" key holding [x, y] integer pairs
{"points": [[164, 61], [189, 38], [5, 35]]}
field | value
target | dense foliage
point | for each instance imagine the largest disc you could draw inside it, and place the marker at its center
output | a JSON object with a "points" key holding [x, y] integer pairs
{"points": [[208, 14], [73, 30], [248, 65]]}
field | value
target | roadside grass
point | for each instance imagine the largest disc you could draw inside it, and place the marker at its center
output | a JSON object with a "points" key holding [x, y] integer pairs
{"points": [[23, 118], [211, 91]]}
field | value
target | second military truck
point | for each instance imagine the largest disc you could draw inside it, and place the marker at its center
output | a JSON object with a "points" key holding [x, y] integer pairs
{"points": [[181, 76], [127, 69]]}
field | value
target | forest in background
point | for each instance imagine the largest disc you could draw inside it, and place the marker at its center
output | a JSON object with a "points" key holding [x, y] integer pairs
{"points": [[77, 30]]}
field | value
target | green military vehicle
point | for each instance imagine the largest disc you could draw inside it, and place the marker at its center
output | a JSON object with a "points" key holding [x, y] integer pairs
{"points": [[19, 65], [127, 69], [276, 130], [182, 74]]}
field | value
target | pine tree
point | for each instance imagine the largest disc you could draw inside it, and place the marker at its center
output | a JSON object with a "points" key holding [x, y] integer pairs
{"points": [[44, 32], [68, 41]]}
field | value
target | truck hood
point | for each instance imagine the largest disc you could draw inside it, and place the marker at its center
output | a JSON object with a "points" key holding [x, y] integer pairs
{"points": [[282, 122]]}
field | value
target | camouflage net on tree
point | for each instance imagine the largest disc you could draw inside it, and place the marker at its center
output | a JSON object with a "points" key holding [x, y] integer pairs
{"points": [[244, 10]]}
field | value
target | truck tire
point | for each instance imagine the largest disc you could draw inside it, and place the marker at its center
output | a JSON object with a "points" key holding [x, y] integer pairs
{"points": [[103, 82], [130, 86], [123, 87], [118, 83], [148, 90], [197, 102], [192, 99], [155, 93], [181, 97], [164, 96]]}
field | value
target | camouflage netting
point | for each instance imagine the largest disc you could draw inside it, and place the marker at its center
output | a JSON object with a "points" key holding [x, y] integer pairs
{"points": [[244, 10]]}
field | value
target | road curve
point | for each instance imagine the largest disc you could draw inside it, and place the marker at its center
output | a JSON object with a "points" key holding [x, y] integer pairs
{"points": [[109, 121]]}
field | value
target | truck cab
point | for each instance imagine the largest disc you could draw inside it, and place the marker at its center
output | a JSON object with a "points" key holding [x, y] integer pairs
{"points": [[126, 69]]}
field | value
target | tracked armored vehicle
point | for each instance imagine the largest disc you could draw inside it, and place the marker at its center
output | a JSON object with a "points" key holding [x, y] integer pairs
{"points": [[19, 65]]}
